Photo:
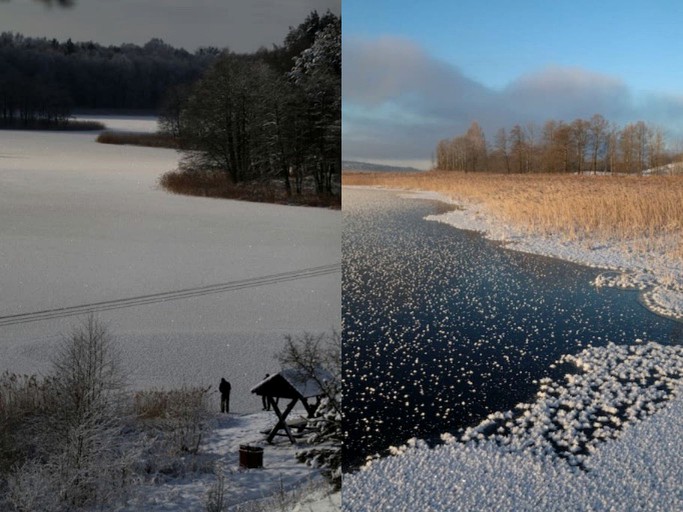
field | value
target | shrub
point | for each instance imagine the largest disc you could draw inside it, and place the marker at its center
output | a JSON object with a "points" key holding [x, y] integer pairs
{"points": [[180, 413], [217, 184], [22, 397], [78, 458], [56, 125], [153, 140], [215, 497]]}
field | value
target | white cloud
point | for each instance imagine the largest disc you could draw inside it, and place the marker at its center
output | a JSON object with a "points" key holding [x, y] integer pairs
{"points": [[389, 80]]}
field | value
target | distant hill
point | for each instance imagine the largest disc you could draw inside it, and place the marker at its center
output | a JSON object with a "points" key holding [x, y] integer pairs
{"points": [[348, 165]]}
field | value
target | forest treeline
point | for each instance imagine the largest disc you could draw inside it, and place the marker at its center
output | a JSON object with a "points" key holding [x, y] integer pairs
{"points": [[271, 117], [44, 80], [582, 146]]}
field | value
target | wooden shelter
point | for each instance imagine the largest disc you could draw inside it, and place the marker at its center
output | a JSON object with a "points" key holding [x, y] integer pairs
{"points": [[295, 385]]}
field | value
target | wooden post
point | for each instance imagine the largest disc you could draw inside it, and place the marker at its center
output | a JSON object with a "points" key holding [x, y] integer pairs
{"points": [[282, 420]]}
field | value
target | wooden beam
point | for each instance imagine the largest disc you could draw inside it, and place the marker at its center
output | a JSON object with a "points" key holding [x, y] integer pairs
{"points": [[282, 420]]}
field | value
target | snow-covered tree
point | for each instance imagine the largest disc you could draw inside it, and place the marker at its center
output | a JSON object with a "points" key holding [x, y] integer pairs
{"points": [[78, 460], [307, 354]]}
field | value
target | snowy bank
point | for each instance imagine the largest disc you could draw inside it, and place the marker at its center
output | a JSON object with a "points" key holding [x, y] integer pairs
{"points": [[636, 468], [658, 276]]}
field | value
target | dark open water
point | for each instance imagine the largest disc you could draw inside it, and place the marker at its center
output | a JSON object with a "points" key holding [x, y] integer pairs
{"points": [[442, 327]]}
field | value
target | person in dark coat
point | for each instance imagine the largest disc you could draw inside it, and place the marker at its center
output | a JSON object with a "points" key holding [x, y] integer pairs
{"points": [[264, 398], [224, 388]]}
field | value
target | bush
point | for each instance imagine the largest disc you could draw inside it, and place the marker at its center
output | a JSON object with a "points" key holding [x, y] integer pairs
{"points": [[215, 497], [308, 353], [22, 397], [217, 184], [56, 125], [182, 414], [77, 456], [153, 140]]}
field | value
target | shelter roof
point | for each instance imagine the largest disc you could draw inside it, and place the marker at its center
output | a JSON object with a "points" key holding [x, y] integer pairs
{"points": [[292, 383]]}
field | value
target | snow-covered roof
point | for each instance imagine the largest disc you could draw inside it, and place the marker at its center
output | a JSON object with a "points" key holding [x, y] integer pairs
{"points": [[298, 381]]}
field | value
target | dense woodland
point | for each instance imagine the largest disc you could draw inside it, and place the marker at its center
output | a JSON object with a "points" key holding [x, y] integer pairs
{"points": [[583, 146], [44, 80], [273, 116]]}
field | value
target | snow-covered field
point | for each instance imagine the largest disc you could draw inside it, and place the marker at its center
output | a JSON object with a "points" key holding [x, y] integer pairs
{"points": [[193, 289], [605, 438], [138, 124]]}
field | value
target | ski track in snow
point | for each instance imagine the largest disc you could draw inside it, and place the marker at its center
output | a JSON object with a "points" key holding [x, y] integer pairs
{"points": [[95, 307], [215, 284], [84, 227]]}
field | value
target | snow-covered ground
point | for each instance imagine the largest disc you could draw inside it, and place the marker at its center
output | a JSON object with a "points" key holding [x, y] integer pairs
{"points": [[605, 438], [639, 471], [83, 223], [193, 289], [281, 484], [138, 124]]}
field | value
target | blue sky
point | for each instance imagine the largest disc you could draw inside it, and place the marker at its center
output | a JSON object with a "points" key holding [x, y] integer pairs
{"points": [[418, 72]]}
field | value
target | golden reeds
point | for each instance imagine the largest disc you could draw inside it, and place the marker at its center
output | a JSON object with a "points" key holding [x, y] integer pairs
{"points": [[577, 207]]}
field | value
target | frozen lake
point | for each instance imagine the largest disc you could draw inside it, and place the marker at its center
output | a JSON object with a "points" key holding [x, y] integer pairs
{"points": [[443, 327], [85, 226]]}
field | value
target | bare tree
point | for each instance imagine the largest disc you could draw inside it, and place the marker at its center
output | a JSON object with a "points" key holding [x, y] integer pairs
{"points": [[628, 149], [579, 132], [475, 143], [612, 148], [656, 147], [519, 148], [642, 135], [597, 139], [501, 145], [307, 354], [78, 460]]}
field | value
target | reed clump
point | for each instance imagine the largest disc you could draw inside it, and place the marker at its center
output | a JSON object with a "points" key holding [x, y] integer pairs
{"points": [[170, 403], [576, 207], [152, 140], [218, 184]]}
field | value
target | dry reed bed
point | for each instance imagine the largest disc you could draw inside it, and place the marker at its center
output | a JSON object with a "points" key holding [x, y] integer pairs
{"points": [[648, 208]]}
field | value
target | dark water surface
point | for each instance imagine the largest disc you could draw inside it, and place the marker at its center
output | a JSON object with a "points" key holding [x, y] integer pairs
{"points": [[442, 327]]}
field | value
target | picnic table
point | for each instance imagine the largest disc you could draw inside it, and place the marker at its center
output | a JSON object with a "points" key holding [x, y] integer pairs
{"points": [[296, 386]]}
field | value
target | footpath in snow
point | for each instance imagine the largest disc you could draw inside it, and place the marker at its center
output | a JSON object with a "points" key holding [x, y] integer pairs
{"points": [[282, 483]]}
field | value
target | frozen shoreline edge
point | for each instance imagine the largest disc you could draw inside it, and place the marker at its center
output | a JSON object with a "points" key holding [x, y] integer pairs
{"points": [[659, 281], [635, 467]]}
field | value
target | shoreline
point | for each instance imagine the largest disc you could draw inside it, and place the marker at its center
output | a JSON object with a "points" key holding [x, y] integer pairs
{"points": [[659, 280], [578, 441]]}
